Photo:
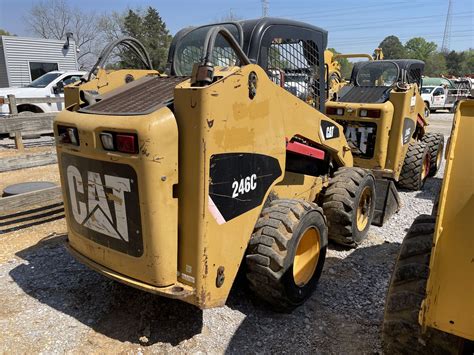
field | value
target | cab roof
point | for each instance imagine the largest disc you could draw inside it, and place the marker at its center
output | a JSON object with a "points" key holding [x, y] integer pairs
{"points": [[253, 31]]}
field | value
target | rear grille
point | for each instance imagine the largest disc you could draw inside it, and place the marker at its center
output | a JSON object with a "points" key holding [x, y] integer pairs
{"points": [[366, 94], [137, 98]]}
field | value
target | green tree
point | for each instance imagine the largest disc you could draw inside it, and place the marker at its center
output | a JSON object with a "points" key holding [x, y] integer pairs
{"points": [[346, 66], [455, 62], [149, 28], [392, 48], [435, 65], [468, 65], [420, 48], [5, 33]]}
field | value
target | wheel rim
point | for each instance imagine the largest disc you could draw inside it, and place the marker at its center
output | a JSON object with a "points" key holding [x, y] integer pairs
{"points": [[306, 257], [426, 167], [363, 209]]}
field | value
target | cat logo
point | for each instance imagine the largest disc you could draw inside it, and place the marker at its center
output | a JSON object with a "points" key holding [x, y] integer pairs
{"points": [[359, 137], [103, 202], [329, 132], [94, 211]]}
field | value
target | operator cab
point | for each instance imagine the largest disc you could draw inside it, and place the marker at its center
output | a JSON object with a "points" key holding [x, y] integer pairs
{"points": [[372, 82], [291, 52]]}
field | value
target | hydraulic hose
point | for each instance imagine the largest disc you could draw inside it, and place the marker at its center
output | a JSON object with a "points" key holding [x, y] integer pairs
{"points": [[210, 40], [129, 42]]}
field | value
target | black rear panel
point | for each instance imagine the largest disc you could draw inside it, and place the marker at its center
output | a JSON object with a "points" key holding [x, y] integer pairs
{"points": [[366, 94], [361, 137]]}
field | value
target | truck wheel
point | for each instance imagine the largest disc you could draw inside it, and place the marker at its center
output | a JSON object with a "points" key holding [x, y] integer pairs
{"points": [[435, 142], [455, 106], [416, 166], [402, 334], [427, 110], [286, 253], [349, 204]]}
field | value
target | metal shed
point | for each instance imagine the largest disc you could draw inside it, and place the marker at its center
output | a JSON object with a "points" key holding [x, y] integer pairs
{"points": [[23, 59]]}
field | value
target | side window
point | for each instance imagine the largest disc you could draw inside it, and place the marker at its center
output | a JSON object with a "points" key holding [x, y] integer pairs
{"points": [[438, 92], [66, 81], [71, 79], [39, 68], [294, 64], [189, 50]]}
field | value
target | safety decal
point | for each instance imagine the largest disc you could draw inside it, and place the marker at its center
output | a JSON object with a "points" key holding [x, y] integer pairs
{"points": [[408, 130]]}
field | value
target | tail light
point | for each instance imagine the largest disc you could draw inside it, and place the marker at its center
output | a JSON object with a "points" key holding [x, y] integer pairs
{"points": [[68, 135], [127, 143], [120, 142], [339, 111], [369, 113]]}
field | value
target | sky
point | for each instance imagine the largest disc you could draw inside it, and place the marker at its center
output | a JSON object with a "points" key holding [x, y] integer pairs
{"points": [[353, 26]]}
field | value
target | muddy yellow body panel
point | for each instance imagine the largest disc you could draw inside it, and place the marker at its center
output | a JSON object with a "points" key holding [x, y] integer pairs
{"points": [[449, 304], [114, 200], [233, 141], [207, 161]]}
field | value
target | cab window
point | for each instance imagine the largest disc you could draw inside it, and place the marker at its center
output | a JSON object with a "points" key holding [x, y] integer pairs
{"points": [[292, 60], [377, 73], [190, 50], [69, 79]]}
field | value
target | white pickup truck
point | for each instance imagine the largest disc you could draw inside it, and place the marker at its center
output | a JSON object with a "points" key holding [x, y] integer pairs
{"points": [[443, 97], [50, 84]]}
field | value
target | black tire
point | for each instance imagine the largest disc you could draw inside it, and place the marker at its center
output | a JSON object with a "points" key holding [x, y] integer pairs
{"points": [[435, 142], [402, 334], [414, 170], [341, 201], [455, 106], [272, 248]]}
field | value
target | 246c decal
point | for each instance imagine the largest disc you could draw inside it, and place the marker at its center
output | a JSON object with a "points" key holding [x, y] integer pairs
{"points": [[244, 185], [238, 182]]}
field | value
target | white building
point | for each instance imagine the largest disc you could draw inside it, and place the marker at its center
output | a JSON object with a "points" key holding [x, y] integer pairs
{"points": [[22, 59]]}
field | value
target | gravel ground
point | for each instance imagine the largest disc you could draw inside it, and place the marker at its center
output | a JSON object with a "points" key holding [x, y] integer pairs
{"points": [[51, 303]]}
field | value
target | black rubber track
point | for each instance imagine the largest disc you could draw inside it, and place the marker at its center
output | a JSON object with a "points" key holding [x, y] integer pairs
{"points": [[410, 176], [435, 142], [401, 330], [271, 249], [340, 205]]}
